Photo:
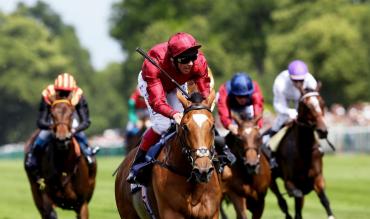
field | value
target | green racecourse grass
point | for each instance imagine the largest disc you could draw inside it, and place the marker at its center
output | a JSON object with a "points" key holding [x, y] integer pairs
{"points": [[347, 178]]}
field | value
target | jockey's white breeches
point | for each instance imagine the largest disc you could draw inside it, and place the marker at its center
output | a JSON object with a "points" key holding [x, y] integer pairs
{"points": [[279, 121], [160, 123]]}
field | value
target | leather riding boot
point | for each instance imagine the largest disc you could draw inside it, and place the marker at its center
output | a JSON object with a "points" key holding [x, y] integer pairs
{"points": [[32, 162], [139, 158], [149, 138], [268, 152], [224, 151]]}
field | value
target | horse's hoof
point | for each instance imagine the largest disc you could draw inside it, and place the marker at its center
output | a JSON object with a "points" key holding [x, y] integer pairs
{"points": [[331, 217]]}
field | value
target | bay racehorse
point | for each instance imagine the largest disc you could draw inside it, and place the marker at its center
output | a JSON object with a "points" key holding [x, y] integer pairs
{"points": [[247, 185], [67, 181], [299, 155], [183, 182]]}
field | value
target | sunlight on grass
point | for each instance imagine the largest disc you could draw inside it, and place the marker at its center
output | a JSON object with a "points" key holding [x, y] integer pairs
{"points": [[347, 181]]}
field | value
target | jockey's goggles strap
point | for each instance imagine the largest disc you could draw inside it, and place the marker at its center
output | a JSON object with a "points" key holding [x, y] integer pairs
{"points": [[61, 101]]}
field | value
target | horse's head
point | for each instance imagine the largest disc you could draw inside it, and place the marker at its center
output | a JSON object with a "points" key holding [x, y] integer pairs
{"points": [[311, 111], [197, 135], [248, 142], [61, 113]]}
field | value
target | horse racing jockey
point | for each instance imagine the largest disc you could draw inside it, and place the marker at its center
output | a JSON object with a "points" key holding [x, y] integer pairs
{"points": [[64, 88], [181, 59], [286, 90], [137, 112], [242, 96]]}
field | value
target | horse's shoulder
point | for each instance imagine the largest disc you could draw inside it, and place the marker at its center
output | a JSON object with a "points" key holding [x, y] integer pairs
{"points": [[30, 140]]}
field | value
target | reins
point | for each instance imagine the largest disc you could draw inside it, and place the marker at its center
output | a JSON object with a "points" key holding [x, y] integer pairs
{"points": [[186, 150]]}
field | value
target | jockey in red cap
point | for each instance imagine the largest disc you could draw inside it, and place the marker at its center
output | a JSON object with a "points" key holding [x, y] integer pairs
{"points": [[181, 59]]}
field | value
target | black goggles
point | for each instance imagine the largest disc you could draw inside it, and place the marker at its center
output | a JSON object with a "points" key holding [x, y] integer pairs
{"points": [[186, 58]]}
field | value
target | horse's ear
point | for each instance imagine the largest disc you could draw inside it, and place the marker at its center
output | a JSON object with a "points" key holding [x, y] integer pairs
{"points": [[319, 85], [209, 101], [185, 102], [236, 118]]}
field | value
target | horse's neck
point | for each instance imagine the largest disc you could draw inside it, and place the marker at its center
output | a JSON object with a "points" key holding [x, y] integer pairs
{"points": [[64, 160], [305, 137], [175, 157]]}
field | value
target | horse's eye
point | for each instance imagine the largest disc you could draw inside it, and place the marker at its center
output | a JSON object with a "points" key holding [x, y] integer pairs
{"points": [[185, 128]]}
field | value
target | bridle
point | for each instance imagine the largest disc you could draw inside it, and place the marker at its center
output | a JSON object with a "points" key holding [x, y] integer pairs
{"points": [[55, 124], [247, 148], [308, 123], [193, 154]]}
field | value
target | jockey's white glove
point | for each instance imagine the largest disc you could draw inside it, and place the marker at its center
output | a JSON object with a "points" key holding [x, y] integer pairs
{"points": [[292, 113], [233, 128], [177, 117]]}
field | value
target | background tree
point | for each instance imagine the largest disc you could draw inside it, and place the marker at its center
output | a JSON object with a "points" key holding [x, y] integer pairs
{"points": [[28, 60]]}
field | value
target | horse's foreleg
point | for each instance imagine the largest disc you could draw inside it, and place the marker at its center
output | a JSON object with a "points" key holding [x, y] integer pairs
{"points": [[240, 205], [281, 201], [83, 212], [42, 202], [298, 201], [320, 191], [257, 206], [223, 213]]}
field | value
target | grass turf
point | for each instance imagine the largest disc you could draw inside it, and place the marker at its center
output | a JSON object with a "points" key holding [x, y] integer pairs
{"points": [[347, 180]]}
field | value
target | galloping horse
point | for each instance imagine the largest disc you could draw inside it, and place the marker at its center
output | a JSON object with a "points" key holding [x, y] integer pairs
{"points": [[251, 175], [299, 156], [183, 183], [67, 181]]}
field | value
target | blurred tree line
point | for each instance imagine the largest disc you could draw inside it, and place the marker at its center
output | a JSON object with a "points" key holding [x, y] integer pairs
{"points": [[35, 46], [258, 37]]}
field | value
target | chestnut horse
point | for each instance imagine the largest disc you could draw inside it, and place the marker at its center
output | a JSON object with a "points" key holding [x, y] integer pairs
{"points": [[250, 177], [67, 181], [183, 182], [299, 157]]}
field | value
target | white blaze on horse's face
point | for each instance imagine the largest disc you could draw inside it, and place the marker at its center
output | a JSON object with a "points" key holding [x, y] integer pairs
{"points": [[199, 119], [247, 131], [315, 103]]}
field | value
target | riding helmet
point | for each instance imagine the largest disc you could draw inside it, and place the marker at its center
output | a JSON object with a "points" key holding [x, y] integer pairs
{"points": [[297, 70], [241, 84]]}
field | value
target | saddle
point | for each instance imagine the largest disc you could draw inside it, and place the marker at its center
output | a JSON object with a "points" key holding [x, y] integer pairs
{"points": [[143, 169], [275, 140]]}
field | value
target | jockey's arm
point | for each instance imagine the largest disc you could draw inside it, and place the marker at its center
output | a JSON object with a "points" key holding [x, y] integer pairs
{"points": [[280, 101], [203, 80], [83, 113], [43, 117], [258, 100], [223, 108], [157, 99]]}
